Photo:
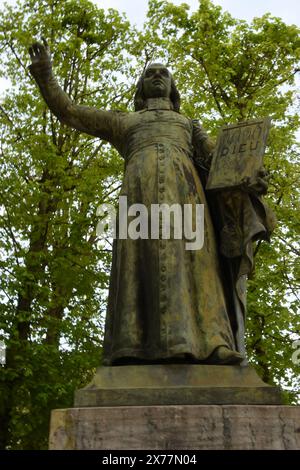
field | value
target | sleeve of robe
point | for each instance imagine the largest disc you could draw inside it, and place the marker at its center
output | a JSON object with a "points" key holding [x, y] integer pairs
{"points": [[99, 123]]}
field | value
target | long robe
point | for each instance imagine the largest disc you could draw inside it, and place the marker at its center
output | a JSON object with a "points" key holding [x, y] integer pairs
{"points": [[167, 303]]}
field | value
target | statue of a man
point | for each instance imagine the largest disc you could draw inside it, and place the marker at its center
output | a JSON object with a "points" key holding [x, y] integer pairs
{"points": [[167, 303]]}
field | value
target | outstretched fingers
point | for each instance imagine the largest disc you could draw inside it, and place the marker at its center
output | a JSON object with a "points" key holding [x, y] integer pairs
{"points": [[38, 49], [46, 45], [35, 49], [31, 52]]}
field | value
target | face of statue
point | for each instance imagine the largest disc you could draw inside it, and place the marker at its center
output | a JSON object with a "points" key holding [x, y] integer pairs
{"points": [[157, 82]]}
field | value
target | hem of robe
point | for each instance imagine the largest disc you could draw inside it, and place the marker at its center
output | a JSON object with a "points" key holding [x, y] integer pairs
{"points": [[179, 353]]}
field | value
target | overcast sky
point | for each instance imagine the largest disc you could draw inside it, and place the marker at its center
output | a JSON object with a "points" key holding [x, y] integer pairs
{"points": [[288, 10]]}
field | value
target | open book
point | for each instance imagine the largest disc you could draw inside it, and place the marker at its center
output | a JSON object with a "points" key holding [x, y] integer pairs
{"points": [[238, 155]]}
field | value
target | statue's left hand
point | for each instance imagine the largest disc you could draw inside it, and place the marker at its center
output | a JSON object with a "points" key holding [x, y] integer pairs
{"points": [[257, 185]]}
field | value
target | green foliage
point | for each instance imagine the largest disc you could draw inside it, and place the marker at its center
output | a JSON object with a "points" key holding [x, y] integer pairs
{"points": [[54, 280], [228, 70]]}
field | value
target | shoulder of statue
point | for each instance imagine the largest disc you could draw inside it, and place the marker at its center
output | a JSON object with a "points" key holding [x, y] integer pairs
{"points": [[203, 146], [198, 131], [197, 127]]}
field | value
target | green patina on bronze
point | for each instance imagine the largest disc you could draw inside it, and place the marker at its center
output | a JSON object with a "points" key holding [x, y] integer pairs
{"points": [[176, 384], [166, 303]]}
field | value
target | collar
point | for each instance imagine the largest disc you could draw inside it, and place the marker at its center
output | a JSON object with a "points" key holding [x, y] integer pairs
{"points": [[159, 103]]}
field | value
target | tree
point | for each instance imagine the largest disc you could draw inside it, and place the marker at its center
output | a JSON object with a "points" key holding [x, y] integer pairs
{"points": [[54, 279], [227, 71]]}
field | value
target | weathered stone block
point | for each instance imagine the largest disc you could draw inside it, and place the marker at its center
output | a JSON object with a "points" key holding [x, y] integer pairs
{"points": [[174, 427]]}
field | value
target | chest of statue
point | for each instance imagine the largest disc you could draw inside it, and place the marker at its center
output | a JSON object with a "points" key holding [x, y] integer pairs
{"points": [[149, 127]]}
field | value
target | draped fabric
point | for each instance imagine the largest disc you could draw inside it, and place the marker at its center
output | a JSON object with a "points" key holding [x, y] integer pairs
{"points": [[165, 301]]}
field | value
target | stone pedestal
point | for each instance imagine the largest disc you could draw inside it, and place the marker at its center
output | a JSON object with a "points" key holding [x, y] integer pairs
{"points": [[174, 427], [176, 384], [178, 406]]}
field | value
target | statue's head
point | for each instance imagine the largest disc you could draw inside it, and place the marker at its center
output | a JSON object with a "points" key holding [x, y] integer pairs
{"points": [[156, 82]]}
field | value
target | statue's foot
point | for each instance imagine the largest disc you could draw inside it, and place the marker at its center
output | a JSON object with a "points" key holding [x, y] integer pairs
{"points": [[225, 356]]}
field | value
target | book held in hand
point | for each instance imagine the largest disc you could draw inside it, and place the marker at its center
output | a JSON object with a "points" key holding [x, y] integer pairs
{"points": [[238, 156]]}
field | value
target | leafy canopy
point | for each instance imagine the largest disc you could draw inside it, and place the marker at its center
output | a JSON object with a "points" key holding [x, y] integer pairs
{"points": [[54, 279]]}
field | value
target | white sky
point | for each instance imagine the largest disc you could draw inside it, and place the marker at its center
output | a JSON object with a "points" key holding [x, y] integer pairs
{"points": [[288, 10]]}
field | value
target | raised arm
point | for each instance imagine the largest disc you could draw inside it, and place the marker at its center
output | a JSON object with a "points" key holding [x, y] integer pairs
{"points": [[103, 124]]}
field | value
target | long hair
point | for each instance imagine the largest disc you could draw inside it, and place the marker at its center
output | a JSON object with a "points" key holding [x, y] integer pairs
{"points": [[140, 100]]}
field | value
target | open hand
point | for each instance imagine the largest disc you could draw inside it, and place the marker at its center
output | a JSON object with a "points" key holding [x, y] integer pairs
{"points": [[40, 52]]}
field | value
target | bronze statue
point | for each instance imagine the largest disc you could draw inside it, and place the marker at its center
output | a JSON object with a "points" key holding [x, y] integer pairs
{"points": [[168, 304]]}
